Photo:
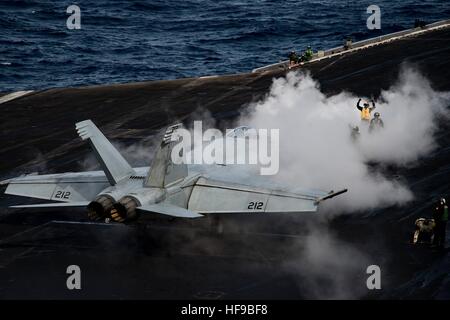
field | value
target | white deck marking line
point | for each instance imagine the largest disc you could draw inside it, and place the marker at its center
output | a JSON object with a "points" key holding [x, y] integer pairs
{"points": [[2, 241], [87, 223], [14, 95]]}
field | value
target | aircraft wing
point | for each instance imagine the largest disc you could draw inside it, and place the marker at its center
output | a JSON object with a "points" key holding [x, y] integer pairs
{"points": [[65, 187], [212, 196], [53, 205]]}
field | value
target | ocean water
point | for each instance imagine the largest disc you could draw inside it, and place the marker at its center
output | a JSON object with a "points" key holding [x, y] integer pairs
{"points": [[124, 41]]}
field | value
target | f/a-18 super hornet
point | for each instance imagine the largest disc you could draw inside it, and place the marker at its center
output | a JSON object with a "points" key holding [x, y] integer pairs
{"points": [[121, 193]]}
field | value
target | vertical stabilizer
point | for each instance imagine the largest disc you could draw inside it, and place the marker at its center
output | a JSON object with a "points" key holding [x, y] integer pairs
{"points": [[113, 164], [163, 171]]}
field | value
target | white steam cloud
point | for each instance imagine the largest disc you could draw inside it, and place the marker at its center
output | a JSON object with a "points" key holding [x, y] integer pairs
{"points": [[327, 268], [316, 150]]}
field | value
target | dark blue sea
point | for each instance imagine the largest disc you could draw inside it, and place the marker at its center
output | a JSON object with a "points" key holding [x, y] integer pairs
{"points": [[124, 41]]}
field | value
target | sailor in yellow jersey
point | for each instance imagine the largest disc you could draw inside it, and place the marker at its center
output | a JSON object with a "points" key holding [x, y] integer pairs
{"points": [[365, 110]]}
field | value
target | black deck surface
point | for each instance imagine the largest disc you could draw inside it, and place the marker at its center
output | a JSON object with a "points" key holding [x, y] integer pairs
{"points": [[165, 260]]}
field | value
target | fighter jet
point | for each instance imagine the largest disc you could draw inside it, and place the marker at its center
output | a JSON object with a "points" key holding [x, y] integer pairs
{"points": [[120, 193]]}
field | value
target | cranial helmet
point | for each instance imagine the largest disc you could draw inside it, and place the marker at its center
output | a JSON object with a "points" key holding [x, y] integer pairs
{"points": [[377, 114]]}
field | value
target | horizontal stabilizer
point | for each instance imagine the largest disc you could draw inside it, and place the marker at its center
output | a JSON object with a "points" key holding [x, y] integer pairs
{"points": [[53, 205], [170, 210]]}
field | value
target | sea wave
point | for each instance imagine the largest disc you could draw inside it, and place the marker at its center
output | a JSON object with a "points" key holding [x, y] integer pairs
{"points": [[124, 41]]}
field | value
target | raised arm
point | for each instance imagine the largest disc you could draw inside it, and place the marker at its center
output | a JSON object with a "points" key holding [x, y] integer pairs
{"points": [[373, 105], [358, 106]]}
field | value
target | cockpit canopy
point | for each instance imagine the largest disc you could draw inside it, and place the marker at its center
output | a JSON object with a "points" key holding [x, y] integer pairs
{"points": [[242, 132]]}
